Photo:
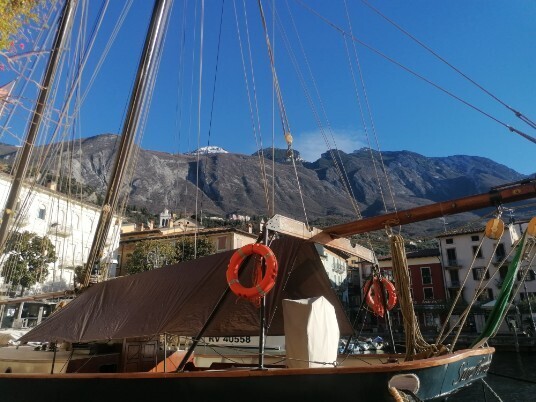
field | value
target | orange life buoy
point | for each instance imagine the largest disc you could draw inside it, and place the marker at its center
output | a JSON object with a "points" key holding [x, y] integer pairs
{"points": [[391, 291], [374, 298], [265, 284]]}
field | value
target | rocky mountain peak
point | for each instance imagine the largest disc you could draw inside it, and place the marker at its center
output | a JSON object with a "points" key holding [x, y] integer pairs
{"points": [[226, 182]]}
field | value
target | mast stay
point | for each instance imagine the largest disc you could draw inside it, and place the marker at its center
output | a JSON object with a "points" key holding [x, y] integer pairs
{"points": [[64, 28], [145, 79]]}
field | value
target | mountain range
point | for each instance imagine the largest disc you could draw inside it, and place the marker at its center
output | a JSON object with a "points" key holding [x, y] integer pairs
{"points": [[227, 182]]}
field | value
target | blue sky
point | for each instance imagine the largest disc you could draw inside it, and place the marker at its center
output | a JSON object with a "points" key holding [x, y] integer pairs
{"points": [[490, 41]]}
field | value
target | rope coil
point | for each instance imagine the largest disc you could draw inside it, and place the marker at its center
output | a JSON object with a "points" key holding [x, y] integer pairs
{"points": [[416, 346]]}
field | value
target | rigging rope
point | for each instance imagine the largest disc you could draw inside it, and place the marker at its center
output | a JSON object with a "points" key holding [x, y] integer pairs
{"points": [[415, 74], [200, 83], [500, 308], [440, 337], [261, 148], [192, 75], [478, 292], [73, 90], [282, 111], [491, 390], [32, 69], [179, 104], [255, 127], [332, 149], [416, 346], [272, 212], [365, 128], [529, 250], [435, 54], [213, 96], [337, 160], [369, 110]]}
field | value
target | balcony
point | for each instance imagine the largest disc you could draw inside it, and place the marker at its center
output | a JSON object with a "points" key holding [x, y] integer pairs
{"points": [[500, 260], [454, 284], [453, 264], [59, 230], [22, 220]]}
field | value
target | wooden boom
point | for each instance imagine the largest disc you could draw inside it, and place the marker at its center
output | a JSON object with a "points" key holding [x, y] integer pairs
{"points": [[507, 193]]}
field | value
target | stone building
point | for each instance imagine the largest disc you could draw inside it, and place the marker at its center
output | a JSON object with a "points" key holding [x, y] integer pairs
{"points": [[68, 223]]}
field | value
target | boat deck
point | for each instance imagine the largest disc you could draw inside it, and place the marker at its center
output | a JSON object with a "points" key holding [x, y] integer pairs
{"points": [[25, 359]]}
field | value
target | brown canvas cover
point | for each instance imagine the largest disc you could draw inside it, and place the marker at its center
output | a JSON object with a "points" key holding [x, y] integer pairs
{"points": [[179, 298]]}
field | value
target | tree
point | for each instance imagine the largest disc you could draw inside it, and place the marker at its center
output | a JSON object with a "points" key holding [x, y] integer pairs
{"points": [[79, 276], [185, 248], [151, 254], [15, 13], [28, 259]]}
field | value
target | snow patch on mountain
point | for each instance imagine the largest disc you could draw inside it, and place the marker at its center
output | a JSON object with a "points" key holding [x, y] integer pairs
{"points": [[212, 149]]}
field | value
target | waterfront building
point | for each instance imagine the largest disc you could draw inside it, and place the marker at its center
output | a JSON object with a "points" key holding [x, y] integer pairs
{"points": [[69, 224], [427, 287], [458, 251], [223, 239]]}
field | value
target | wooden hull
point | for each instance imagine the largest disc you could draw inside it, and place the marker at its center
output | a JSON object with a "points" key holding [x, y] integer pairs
{"points": [[438, 377]]}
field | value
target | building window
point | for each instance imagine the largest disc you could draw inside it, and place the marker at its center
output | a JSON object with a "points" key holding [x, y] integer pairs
{"points": [[426, 276], [477, 251], [529, 275], [428, 293], [429, 319], [503, 271], [475, 238], [486, 295], [61, 217], [500, 252], [478, 273], [387, 273], [453, 293], [454, 278], [451, 257], [222, 243], [531, 295], [42, 214], [449, 241]]}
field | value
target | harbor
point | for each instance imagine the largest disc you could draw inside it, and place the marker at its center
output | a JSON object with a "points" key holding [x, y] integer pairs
{"points": [[511, 377], [140, 257]]}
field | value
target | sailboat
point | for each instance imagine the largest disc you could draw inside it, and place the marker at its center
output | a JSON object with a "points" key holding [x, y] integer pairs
{"points": [[34, 207], [106, 340]]}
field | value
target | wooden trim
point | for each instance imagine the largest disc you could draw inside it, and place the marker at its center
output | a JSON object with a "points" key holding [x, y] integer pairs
{"points": [[503, 195], [388, 367]]}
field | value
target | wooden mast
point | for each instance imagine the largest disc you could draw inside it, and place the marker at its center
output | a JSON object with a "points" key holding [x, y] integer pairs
{"points": [[64, 27], [507, 193], [141, 89]]}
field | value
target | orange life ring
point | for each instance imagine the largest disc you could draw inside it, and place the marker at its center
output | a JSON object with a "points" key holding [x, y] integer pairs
{"points": [[391, 292], [265, 284], [374, 298]]}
